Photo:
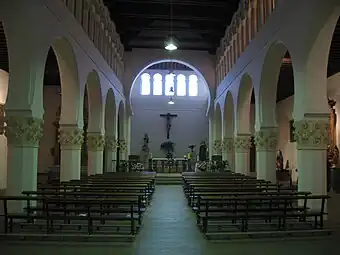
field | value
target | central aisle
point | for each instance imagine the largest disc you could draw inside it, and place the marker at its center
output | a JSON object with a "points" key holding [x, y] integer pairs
{"points": [[169, 225]]}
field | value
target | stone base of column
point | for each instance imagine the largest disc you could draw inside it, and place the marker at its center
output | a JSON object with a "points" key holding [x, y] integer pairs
{"points": [[265, 165], [70, 163], [95, 162], [96, 142], [242, 156], [110, 153], [109, 161], [242, 163], [312, 173]]}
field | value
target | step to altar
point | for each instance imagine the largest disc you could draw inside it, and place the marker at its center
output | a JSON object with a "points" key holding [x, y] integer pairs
{"points": [[168, 179]]}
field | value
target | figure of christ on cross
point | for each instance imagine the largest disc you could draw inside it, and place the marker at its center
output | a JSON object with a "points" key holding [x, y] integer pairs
{"points": [[168, 117]]}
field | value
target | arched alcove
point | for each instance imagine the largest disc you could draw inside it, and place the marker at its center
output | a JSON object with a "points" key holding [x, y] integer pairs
{"points": [[152, 93]]}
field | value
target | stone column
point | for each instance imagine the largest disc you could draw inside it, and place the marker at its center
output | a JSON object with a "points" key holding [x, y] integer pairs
{"points": [[312, 139], [110, 153], [123, 148], [266, 142], [23, 136], [228, 148], [70, 139], [95, 146], [242, 148]]}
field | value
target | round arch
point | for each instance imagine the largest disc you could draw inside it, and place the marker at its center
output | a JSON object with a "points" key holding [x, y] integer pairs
{"points": [[243, 105], [228, 116], [120, 118], [71, 107], [217, 122], [95, 104], [266, 105], [199, 74], [110, 113]]}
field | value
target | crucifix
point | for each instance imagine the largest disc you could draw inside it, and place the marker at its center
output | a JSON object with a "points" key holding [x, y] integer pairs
{"points": [[168, 117]]}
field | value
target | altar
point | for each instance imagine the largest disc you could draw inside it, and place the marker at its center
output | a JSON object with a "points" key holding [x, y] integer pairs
{"points": [[163, 165]]}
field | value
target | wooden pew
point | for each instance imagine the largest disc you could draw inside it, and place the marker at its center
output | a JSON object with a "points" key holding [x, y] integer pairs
{"points": [[240, 210], [89, 215]]}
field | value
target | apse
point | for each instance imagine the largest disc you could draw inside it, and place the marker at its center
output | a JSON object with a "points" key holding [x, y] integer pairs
{"points": [[169, 102]]}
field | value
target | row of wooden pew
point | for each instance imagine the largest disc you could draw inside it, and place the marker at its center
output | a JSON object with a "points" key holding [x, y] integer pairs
{"points": [[229, 204], [109, 205]]}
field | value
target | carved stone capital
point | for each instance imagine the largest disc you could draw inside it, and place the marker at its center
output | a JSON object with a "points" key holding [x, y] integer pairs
{"points": [[71, 136], [242, 143], [24, 131], [266, 139], [95, 142], [110, 143], [312, 134], [122, 145], [228, 144], [218, 146]]}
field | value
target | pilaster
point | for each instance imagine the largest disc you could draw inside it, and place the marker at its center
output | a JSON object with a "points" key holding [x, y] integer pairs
{"points": [[242, 148], [95, 145], [312, 139], [266, 145], [110, 153], [71, 139], [23, 137]]}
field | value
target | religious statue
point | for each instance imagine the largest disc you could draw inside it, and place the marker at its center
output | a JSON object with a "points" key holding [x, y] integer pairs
{"points": [[279, 160], [145, 153], [55, 151], [332, 149], [168, 117], [202, 156]]}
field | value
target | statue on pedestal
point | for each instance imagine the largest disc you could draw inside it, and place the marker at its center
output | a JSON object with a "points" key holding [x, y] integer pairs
{"points": [[279, 160], [145, 152], [203, 152]]}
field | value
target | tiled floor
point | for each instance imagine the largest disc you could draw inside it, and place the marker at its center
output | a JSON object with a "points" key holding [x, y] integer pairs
{"points": [[169, 229]]}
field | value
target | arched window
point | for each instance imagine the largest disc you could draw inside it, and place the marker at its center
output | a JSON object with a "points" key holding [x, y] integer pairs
{"points": [[193, 85], [157, 84], [145, 88], [181, 85], [169, 85]]}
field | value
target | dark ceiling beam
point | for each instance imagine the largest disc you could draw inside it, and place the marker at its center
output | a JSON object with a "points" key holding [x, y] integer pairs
{"points": [[161, 39], [222, 4], [138, 46], [167, 17], [176, 29]]}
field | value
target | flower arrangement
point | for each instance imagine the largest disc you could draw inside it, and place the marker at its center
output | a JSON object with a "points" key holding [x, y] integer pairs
{"points": [[168, 148]]}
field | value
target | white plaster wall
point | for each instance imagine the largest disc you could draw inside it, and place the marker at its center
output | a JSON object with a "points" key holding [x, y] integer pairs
{"points": [[3, 139]]}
